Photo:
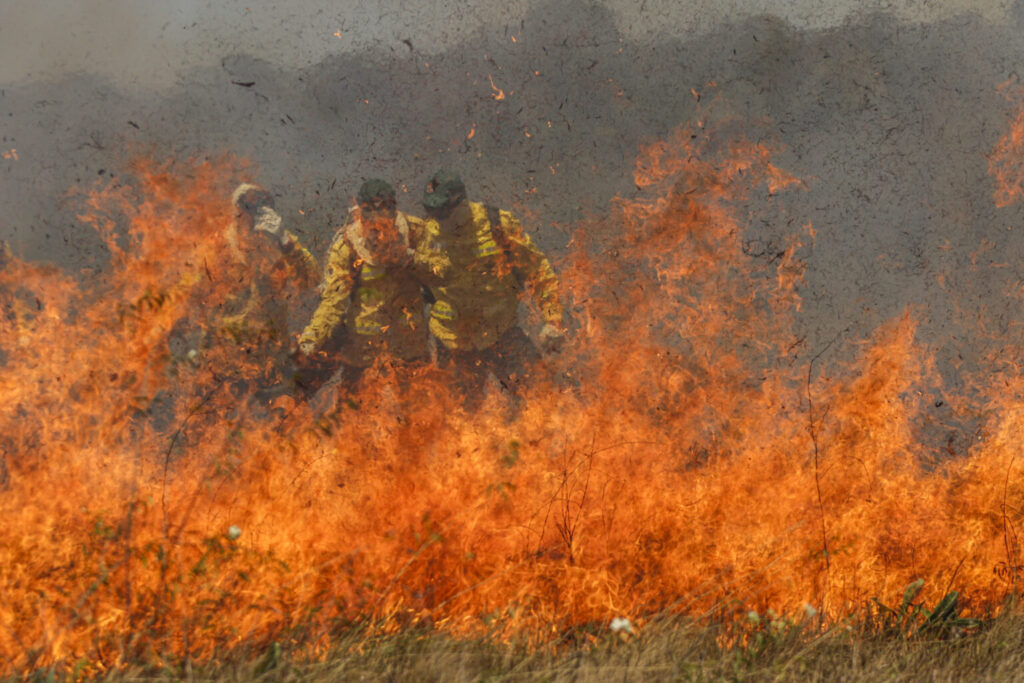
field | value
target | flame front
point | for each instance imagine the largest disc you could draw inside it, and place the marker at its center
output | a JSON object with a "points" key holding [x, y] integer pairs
{"points": [[676, 457]]}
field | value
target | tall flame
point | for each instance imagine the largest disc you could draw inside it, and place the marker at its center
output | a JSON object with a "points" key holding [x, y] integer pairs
{"points": [[676, 457]]}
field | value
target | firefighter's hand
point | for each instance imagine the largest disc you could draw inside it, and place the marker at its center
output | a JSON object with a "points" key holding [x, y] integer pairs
{"points": [[551, 338], [269, 221], [305, 348], [256, 208]]}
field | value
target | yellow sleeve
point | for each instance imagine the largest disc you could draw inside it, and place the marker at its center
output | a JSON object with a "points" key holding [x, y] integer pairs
{"points": [[417, 230], [339, 278], [430, 263], [245, 302], [539, 277], [300, 259]]}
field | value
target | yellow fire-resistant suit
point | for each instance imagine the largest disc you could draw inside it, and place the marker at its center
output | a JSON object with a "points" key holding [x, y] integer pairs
{"points": [[257, 314], [478, 295], [378, 306]]}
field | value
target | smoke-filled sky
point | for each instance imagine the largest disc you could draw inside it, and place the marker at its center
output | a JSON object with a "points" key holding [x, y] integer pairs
{"points": [[886, 110], [149, 44]]}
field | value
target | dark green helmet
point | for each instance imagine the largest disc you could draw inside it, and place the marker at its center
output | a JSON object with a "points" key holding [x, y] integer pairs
{"points": [[376, 192], [444, 189]]}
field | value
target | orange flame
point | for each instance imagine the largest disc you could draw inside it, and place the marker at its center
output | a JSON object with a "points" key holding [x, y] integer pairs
{"points": [[675, 457]]}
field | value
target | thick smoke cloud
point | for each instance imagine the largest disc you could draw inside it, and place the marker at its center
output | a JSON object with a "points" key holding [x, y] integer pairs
{"points": [[887, 117], [149, 45]]}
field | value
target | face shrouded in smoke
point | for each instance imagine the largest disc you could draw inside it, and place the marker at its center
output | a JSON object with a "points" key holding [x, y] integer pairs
{"points": [[378, 212]]}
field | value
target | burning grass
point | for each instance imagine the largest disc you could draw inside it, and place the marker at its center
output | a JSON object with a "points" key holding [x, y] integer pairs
{"points": [[676, 459]]}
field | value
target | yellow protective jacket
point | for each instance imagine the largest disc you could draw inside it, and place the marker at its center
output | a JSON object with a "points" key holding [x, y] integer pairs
{"points": [[375, 306], [487, 267], [271, 276]]}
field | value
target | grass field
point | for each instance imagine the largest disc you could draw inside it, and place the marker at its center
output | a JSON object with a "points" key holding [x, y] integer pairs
{"points": [[664, 650]]}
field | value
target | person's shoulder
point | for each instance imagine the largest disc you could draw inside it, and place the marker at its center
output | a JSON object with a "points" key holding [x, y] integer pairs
{"points": [[415, 221], [506, 221], [343, 234], [341, 243], [427, 229], [416, 227]]}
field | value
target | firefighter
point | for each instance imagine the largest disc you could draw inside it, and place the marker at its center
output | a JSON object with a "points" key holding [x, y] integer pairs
{"points": [[490, 260], [372, 296], [265, 269]]}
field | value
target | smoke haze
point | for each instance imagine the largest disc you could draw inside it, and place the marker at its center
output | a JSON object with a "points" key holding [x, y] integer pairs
{"points": [[887, 115]]}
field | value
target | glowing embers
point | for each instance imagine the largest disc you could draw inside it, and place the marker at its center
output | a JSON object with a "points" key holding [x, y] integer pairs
{"points": [[498, 93]]}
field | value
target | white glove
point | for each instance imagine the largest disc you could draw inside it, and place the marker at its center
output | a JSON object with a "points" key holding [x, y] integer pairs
{"points": [[269, 221], [551, 338], [258, 204], [306, 347]]}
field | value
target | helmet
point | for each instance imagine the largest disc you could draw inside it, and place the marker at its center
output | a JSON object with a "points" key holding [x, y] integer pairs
{"points": [[444, 190], [376, 193], [249, 197]]}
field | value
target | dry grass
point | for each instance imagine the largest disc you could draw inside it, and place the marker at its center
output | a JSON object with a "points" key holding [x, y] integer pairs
{"points": [[664, 651]]}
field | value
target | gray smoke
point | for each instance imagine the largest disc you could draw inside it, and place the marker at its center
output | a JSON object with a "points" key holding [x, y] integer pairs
{"points": [[152, 45], [887, 115]]}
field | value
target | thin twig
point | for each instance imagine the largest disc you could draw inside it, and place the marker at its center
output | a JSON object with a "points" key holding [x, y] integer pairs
{"points": [[813, 431], [1011, 549], [955, 572], [174, 440]]}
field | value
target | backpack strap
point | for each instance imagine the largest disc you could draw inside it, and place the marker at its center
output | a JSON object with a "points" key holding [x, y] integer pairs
{"points": [[342, 235]]}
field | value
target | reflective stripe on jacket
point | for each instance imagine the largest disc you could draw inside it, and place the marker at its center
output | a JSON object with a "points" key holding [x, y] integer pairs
{"points": [[258, 313], [477, 296], [377, 305]]}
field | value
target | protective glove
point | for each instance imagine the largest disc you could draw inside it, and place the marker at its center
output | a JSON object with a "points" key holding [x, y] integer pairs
{"points": [[258, 204], [551, 338], [307, 347], [269, 221]]}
